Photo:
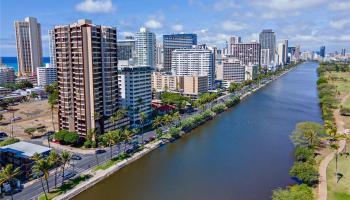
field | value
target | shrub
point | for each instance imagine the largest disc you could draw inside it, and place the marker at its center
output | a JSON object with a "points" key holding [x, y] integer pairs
{"points": [[60, 135], [305, 172], [218, 108], [303, 154], [296, 192], [29, 130], [87, 144], [345, 111], [71, 138], [8, 141]]}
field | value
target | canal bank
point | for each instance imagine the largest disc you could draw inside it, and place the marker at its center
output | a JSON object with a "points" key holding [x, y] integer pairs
{"points": [[230, 156]]}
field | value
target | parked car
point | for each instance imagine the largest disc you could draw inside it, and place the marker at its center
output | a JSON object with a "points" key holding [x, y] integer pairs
{"points": [[100, 151], [76, 157], [69, 175], [16, 118], [3, 134]]}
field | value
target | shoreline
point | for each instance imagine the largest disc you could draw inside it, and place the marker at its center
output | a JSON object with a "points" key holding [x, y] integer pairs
{"points": [[100, 175]]}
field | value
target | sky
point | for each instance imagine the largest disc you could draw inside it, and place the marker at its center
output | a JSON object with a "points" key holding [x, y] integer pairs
{"points": [[309, 23]]}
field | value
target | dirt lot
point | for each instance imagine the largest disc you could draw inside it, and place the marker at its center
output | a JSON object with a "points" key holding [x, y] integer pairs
{"points": [[33, 114]]}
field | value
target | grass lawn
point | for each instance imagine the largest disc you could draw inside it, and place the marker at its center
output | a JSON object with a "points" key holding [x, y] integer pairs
{"points": [[342, 83], [340, 190], [66, 186]]}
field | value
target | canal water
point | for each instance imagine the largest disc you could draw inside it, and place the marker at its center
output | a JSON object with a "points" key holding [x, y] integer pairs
{"points": [[242, 154]]}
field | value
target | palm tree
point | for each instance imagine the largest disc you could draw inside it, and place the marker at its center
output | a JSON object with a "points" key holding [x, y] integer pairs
{"points": [[65, 158], [54, 159], [311, 136], [7, 174], [127, 136], [52, 106], [158, 121], [43, 166], [110, 139], [143, 117], [159, 133], [176, 116], [91, 134]]}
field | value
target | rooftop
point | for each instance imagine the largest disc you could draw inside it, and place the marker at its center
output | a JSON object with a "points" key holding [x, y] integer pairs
{"points": [[24, 149]]}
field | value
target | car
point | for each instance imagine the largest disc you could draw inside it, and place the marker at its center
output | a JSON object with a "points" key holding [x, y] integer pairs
{"points": [[48, 133], [129, 151], [3, 134], [100, 151], [76, 157], [16, 118], [69, 175]]}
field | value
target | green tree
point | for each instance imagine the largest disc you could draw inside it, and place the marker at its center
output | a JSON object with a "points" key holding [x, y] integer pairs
{"points": [[307, 134], [127, 137], [30, 131], [295, 192], [71, 138], [306, 172], [8, 174], [159, 133], [110, 138], [53, 100], [157, 122]]}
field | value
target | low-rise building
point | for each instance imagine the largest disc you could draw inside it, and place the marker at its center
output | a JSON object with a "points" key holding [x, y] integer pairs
{"points": [[21, 154], [7, 74], [193, 86]]}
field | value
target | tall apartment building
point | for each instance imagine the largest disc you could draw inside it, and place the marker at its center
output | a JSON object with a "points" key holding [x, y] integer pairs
{"points": [[247, 53], [126, 48], [7, 74], [52, 48], [323, 51], [267, 40], [189, 62], [29, 46], [46, 75], [265, 57], [176, 41], [145, 47], [159, 56], [135, 90], [282, 52], [87, 76]]}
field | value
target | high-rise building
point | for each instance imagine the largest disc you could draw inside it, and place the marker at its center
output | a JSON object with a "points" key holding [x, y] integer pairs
{"points": [[234, 40], [189, 62], [246, 52], [135, 90], [343, 51], [282, 52], [267, 40], [46, 75], [7, 74], [126, 48], [265, 57], [323, 51], [52, 48], [29, 47], [87, 77], [176, 41], [145, 47], [159, 56]]}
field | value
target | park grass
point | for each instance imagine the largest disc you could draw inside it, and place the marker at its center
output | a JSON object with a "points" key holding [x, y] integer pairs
{"points": [[340, 190], [65, 187], [342, 83]]}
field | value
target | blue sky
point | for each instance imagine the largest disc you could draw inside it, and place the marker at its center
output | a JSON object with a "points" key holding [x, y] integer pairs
{"points": [[310, 23]]}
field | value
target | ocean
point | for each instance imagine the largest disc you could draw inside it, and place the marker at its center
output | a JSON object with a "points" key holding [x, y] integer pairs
{"points": [[12, 62]]}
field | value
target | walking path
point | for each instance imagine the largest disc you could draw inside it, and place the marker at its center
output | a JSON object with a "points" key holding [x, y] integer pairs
{"points": [[322, 186]]}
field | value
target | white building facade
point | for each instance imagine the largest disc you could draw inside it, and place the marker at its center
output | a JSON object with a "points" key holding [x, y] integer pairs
{"points": [[145, 47], [46, 75], [135, 90], [189, 62]]}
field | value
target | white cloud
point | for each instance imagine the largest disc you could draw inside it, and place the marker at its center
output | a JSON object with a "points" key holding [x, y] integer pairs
{"points": [[340, 6], [339, 24], [220, 5], [126, 33], [233, 26], [178, 27], [153, 24], [288, 5], [95, 6]]}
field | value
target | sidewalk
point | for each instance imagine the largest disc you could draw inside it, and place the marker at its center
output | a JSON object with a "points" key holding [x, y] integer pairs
{"points": [[68, 148]]}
